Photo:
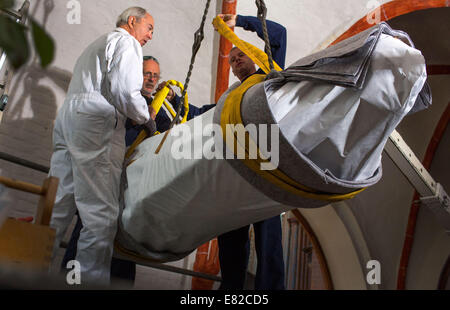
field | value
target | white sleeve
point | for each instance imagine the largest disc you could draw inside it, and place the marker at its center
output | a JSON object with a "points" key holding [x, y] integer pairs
{"points": [[125, 80]]}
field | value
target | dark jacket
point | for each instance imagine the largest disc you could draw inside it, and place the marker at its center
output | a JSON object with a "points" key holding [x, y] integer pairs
{"points": [[277, 36], [162, 119]]}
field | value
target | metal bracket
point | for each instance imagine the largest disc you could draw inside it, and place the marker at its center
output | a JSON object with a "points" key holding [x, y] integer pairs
{"points": [[3, 102], [21, 15], [2, 60], [432, 193], [411, 167], [440, 205]]}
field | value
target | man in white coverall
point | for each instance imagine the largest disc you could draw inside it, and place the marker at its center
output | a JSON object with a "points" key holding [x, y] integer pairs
{"points": [[89, 139]]}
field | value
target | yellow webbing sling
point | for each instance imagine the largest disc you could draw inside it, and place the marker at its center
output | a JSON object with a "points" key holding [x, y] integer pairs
{"points": [[259, 57], [156, 104], [231, 114], [161, 95]]}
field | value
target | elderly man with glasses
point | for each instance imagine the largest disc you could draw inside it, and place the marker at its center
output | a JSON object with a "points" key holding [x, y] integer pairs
{"points": [[152, 74]]}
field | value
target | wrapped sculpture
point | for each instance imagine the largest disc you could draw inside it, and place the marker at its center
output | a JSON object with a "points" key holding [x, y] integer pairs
{"points": [[325, 120]]}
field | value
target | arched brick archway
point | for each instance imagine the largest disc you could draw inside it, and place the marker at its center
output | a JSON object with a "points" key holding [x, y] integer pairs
{"points": [[390, 10], [387, 12]]}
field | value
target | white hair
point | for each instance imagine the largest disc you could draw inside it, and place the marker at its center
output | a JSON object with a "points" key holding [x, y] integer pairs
{"points": [[135, 11]]}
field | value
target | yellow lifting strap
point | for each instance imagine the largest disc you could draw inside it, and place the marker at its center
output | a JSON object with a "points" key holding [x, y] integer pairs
{"points": [[231, 114], [161, 95], [156, 104], [141, 136], [259, 57]]}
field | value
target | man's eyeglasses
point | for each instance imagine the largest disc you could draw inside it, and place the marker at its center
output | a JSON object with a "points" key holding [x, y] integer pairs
{"points": [[151, 75]]}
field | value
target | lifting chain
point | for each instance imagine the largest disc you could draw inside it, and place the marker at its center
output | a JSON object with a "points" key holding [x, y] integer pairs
{"points": [[198, 38], [262, 13]]}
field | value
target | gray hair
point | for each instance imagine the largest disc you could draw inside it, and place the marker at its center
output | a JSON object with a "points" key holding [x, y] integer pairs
{"points": [[135, 11], [151, 58]]}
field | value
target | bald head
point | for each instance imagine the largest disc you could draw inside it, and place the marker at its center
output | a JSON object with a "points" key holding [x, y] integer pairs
{"points": [[241, 65]]}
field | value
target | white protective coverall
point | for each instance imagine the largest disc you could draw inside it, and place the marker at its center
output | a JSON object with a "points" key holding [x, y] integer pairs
{"points": [[89, 146]]}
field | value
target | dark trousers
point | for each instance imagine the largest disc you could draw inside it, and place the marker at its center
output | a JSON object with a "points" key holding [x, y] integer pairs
{"points": [[122, 270], [234, 250]]}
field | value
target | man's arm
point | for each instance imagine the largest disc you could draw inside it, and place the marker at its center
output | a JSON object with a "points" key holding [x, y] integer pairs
{"points": [[175, 101], [125, 80], [277, 33], [162, 121], [193, 110], [132, 131]]}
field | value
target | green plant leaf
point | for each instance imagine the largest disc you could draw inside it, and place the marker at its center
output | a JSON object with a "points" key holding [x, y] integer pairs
{"points": [[45, 47], [13, 41]]}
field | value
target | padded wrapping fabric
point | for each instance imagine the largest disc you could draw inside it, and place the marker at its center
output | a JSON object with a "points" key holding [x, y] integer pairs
{"points": [[331, 139]]}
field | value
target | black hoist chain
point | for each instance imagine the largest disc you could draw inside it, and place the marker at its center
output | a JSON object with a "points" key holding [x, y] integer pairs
{"points": [[262, 13], [198, 38]]}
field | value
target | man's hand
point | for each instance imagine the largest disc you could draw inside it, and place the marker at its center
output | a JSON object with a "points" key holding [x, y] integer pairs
{"points": [[171, 93], [145, 93], [229, 19], [152, 112], [150, 128]]}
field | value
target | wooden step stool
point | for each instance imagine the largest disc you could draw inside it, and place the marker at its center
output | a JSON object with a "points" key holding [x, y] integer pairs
{"points": [[29, 245]]}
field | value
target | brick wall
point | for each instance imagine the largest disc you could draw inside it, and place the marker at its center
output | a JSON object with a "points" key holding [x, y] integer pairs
{"points": [[302, 266], [317, 282]]}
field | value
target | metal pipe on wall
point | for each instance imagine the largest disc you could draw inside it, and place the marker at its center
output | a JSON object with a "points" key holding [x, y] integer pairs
{"points": [[223, 66], [206, 260]]}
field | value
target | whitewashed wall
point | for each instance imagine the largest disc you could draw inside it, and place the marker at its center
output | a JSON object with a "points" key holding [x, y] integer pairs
{"points": [[37, 94]]}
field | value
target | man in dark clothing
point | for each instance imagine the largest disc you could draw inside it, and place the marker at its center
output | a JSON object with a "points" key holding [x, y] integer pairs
{"points": [[151, 78], [234, 248], [162, 119]]}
